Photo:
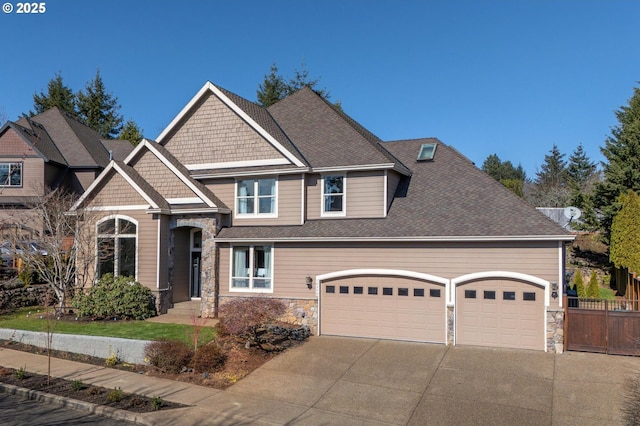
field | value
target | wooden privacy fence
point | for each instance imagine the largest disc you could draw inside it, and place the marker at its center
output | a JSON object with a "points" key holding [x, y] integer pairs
{"points": [[604, 326]]}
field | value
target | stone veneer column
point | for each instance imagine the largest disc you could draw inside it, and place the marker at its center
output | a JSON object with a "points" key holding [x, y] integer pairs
{"points": [[208, 257], [555, 331]]}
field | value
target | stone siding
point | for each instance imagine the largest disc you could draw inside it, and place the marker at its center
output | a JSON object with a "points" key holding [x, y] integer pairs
{"points": [[299, 311], [555, 331]]}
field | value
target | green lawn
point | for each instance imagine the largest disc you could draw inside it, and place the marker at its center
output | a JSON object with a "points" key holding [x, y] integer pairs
{"points": [[29, 319]]}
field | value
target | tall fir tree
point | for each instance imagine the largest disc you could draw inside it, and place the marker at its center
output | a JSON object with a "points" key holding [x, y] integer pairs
{"points": [[131, 132], [58, 95], [551, 183], [580, 169], [99, 108], [621, 171], [273, 88]]}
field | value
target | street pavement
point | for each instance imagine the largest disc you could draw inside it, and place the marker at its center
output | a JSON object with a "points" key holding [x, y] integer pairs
{"points": [[347, 381]]}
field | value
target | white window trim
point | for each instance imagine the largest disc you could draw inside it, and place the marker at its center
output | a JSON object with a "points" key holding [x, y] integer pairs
{"points": [[10, 163], [255, 213], [115, 259], [342, 213], [251, 257]]}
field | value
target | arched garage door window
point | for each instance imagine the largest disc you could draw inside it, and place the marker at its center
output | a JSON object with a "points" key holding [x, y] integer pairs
{"points": [[116, 244]]}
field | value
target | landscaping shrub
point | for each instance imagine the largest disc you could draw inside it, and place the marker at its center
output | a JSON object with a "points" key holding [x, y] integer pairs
{"points": [[245, 316], [118, 297], [170, 356], [578, 284], [593, 289], [209, 358]]}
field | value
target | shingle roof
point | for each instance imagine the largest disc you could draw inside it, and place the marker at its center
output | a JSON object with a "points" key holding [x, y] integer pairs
{"points": [[185, 172], [143, 184], [447, 197], [40, 140], [326, 136], [80, 145], [119, 148]]}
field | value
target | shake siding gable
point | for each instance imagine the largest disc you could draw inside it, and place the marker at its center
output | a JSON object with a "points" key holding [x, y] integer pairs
{"points": [[161, 177], [11, 144], [213, 133], [293, 262], [115, 191]]}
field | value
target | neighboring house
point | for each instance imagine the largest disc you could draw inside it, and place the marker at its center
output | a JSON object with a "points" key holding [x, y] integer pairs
{"points": [[49, 150], [398, 240]]}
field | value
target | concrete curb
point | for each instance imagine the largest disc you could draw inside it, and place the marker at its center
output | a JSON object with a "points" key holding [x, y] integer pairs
{"points": [[127, 350], [88, 407]]}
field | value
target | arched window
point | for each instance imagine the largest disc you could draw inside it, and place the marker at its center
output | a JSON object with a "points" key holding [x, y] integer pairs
{"points": [[117, 246]]}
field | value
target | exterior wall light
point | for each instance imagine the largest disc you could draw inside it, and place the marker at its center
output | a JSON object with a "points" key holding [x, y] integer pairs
{"points": [[309, 282], [554, 289]]}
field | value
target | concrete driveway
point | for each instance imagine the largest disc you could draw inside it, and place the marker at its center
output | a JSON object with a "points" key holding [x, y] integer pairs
{"points": [[332, 380]]}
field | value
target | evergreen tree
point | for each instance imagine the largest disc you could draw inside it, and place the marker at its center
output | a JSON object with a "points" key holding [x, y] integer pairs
{"points": [[580, 169], [624, 248], [504, 172], [273, 88], [58, 95], [131, 132], [578, 284], [99, 108], [593, 289], [622, 169], [551, 183]]}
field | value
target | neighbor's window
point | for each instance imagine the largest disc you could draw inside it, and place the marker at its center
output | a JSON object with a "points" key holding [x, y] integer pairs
{"points": [[10, 174], [117, 241], [252, 268], [333, 195], [256, 197]]}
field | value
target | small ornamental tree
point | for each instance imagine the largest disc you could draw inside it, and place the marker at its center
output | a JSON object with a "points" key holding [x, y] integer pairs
{"points": [[245, 316], [593, 290], [578, 284]]}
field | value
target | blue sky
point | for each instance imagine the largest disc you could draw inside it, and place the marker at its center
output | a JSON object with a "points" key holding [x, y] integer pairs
{"points": [[486, 76]]}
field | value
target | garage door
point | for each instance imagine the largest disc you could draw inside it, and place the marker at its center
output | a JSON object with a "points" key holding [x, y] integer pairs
{"points": [[500, 313], [383, 307]]}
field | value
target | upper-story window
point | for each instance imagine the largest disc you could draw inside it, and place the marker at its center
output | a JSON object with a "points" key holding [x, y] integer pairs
{"points": [[10, 174], [333, 192], [256, 197], [116, 243]]}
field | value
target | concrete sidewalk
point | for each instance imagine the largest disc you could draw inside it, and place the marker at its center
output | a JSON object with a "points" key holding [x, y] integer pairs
{"points": [[331, 380]]}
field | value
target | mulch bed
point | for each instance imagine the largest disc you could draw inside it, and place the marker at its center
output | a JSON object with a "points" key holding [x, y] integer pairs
{"points": [[114, 398]]}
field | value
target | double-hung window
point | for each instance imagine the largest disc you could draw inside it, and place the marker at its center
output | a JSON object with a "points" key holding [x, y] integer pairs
{"points": [[256, 197], [252, 268], [10, 174], [333, 195], [116, 245]]}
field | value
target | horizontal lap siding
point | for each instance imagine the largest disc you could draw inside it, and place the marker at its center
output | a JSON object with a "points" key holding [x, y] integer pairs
{"points": [[293, 262], [365, 194], [313, 189], [289, 201]]}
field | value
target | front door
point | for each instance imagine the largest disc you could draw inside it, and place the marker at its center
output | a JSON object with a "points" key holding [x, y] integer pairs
{"points": [[195, 275], [195, 287]]}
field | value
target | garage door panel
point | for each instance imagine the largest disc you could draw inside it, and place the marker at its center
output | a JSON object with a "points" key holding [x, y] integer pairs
{"points": [[394, 315], [508, 320]]}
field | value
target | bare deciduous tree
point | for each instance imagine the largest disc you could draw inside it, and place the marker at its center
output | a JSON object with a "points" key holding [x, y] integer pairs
{"points": [[63, 255]]}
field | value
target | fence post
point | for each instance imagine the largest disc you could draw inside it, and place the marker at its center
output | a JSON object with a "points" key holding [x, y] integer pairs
{"points": [[565, 335], [606, 325]]}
